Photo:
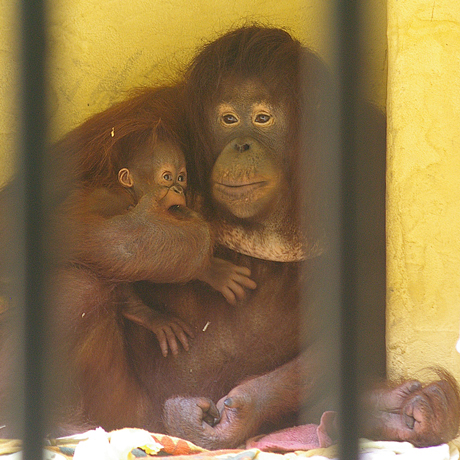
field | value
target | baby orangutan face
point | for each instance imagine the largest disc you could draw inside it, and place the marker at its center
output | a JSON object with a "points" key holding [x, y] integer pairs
{"points": [[161, 172]]}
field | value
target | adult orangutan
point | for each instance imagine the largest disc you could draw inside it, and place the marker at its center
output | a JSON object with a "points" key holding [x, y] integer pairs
{"points": [[246, 108]]}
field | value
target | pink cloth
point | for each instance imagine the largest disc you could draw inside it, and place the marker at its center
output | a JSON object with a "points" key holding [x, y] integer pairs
{"points": [[303, 437]]}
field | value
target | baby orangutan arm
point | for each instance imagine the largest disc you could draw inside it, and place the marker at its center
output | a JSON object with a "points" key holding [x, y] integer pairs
{"points": [[167, 328], [229, 279], [144, 243]]}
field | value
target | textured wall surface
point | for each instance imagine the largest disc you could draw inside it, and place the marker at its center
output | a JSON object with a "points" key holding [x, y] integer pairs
{"points": [[100, 49], [423, 180], [8, 87]]}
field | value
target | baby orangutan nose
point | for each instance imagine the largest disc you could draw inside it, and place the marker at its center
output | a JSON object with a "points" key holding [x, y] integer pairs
{"points": [[178, 189], [175, 196]]}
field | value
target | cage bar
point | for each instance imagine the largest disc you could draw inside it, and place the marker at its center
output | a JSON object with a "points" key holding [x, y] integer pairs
{"points": [[31, 211]]}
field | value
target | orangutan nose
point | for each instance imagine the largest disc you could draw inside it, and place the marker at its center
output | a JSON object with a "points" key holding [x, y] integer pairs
{"points": [[242, 147], [178, 189]]}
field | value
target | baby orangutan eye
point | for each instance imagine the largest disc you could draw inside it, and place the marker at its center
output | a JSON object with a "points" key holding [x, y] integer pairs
{"points": [[167, 176]]}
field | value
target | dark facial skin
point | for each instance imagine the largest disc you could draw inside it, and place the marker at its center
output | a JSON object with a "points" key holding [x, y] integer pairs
{"points": [[249, 133]]}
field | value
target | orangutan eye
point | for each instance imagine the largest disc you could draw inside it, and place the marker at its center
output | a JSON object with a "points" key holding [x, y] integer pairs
{"points": [[262, 118], [182, 178], [167, 176], [229, 119]]}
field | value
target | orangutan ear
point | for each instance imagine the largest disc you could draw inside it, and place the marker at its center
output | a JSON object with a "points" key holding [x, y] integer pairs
{"points": [[125, 178]]}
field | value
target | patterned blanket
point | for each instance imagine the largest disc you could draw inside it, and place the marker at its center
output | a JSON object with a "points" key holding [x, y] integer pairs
{"points": [[132, 444]]}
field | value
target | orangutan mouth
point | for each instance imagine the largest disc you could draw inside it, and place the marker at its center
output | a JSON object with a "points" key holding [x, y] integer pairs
{"points": [[238, 190]]}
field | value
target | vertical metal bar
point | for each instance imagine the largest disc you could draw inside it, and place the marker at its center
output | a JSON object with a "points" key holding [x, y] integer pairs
{"points": [[32, 139], [347, 66], [335, 293]]}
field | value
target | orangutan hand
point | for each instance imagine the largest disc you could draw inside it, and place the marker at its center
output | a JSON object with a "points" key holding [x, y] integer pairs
{"points": [[424, 415], [199, 421]]}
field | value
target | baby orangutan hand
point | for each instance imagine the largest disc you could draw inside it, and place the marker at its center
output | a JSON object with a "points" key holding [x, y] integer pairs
{"points": [[168, 329], [229, 279]]}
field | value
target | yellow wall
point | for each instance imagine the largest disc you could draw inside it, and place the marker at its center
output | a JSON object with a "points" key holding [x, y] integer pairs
{"points": [[423, 206], [102, 48], [8, 87]]}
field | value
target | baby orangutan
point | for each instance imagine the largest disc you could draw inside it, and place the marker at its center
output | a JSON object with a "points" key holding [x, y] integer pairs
{"points": [[161, 177], [157, 177], [128, 221]]}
